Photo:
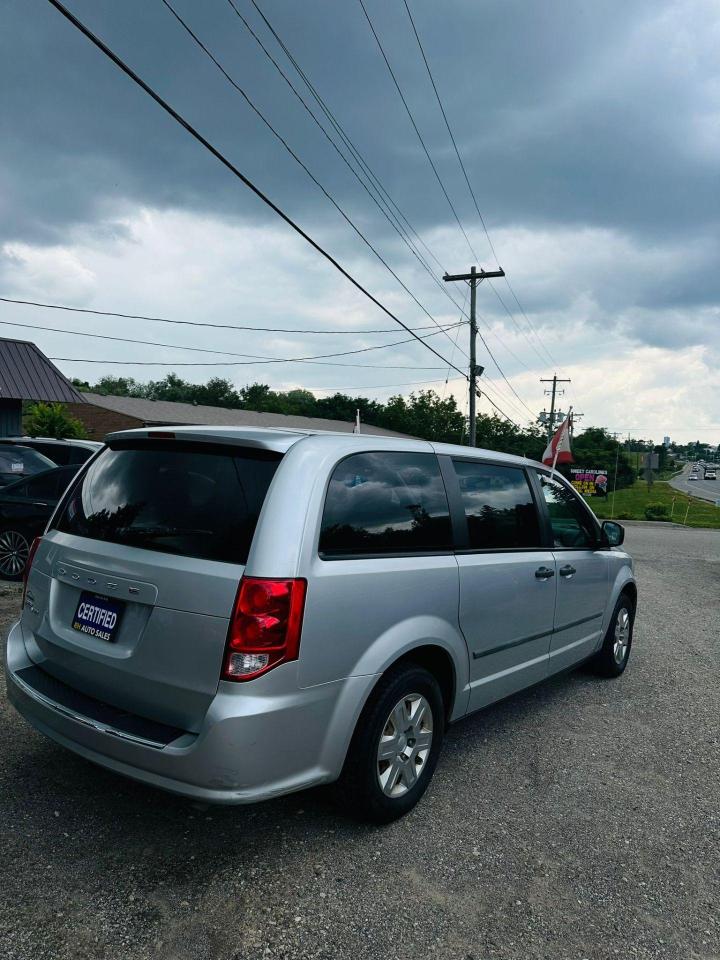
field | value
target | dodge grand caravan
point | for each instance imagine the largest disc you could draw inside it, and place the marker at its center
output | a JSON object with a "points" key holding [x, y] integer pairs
{"points": [[234, 614]]}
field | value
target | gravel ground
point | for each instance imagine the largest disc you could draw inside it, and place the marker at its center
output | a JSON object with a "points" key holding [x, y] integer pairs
{"points": [[577, 820]]}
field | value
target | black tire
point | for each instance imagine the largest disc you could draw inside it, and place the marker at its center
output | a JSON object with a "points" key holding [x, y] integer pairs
{"points": [[14, 552], [360, 789], [607, 662]]}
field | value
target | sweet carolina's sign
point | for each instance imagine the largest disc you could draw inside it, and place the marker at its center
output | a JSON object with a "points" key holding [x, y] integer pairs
{"points": [[589, 481]]}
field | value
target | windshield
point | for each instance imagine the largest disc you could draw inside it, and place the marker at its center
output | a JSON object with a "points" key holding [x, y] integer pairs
{"points": [[16, 462], [191, 499]]}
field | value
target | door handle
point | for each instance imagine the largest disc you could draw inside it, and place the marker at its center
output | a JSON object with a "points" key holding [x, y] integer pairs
{"points": [[37, 503], [567, 571], [544, 573]]}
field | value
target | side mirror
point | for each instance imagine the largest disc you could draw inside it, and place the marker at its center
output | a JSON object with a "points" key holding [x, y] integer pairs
{"points": [[614, 533]]}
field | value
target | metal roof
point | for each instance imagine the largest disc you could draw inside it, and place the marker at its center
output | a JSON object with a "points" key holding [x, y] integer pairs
{"points": [[27, 374], [166, 412]]}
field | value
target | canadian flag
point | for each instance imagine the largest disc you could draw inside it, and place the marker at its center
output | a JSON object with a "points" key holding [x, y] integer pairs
{"points": [[558, 450]]}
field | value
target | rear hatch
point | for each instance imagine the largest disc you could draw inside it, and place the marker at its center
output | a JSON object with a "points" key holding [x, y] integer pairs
{"points": [[131, 591]]}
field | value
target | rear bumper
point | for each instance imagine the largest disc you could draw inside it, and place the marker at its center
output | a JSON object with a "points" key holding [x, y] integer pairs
{"points": [[258, 740]]}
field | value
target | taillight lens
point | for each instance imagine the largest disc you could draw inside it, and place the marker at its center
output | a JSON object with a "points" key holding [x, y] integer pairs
{"points": [[26, 573], [265, 626]]}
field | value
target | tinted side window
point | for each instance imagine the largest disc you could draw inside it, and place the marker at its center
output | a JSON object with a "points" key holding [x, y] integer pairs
{"points": [[498, 505], [78, 455], [58, 453], [386, 503], [16, 490], [43, 487], [571, 525]]}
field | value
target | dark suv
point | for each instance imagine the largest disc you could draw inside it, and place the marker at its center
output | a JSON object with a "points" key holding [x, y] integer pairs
{"points": [[61, 452], [18, 461]]}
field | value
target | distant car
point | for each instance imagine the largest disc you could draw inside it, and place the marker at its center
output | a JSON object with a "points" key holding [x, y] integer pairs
{"points": [[61, 452], [18, 461], [693, 476], [710, 475], [25, 508]]}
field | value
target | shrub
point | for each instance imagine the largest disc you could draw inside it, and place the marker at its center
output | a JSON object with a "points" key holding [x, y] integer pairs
{"points": [[657, 511], [52, 420]]}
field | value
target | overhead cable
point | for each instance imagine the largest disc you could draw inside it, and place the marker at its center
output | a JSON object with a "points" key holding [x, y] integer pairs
{"points": [[103, 47]]}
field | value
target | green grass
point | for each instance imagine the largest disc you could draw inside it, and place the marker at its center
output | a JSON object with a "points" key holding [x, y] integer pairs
{"points": [[631, 502]]}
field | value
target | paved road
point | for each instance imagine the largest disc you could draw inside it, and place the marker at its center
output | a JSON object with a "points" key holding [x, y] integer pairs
{"points": [[578, 820], [705, 489]]}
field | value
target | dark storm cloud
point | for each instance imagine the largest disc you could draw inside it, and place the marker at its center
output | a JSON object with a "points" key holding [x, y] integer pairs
{"points": [[566, 114]]}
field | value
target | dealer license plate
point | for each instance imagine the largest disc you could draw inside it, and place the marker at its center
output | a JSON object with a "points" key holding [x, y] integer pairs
{"points": [[98, 616]]}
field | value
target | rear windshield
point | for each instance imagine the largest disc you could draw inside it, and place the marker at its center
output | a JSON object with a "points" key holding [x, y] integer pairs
{"points": [[192, 499]]}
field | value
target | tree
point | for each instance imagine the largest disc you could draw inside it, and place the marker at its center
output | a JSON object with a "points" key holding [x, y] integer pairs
{"points": [[495, 433], [341, 407], [301, 403], [259, 396], [52, 420], [425, 414], [118, 387], [217, 392]]}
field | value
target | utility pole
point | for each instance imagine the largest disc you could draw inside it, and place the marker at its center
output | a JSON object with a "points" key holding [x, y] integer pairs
{"points": [[473, 278], [554, 391]]}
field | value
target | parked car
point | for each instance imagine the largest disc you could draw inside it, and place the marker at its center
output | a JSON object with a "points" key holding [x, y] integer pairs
{"points": [[18, 461], [25, 508], [61, 452], [236, 613]]}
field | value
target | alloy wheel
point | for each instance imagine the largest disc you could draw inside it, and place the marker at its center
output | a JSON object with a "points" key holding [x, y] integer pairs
{"points": [[14, 550], [404, 745], [622, 636]]}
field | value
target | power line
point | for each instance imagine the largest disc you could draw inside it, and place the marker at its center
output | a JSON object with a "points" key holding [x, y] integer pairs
{"points": [[256, 358], [376, 386], [501, 412], [240, 363], [234, 170], [206, 50], [469, 185], [509, 312], [437, 175], [492, 355], [362, 162], [369, 187], [337, 126], [449, 130], [416, 129], [201, 323], [457, 336]]}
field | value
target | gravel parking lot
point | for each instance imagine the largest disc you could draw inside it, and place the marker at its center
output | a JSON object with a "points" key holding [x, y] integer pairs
{"points": [[577, 820]]}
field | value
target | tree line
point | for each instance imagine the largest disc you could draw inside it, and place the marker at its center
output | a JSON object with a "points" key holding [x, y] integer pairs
{"points": [[423, 414]]}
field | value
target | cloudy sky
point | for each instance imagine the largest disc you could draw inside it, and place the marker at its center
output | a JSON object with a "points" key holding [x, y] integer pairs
{"points": [[591, 136]]}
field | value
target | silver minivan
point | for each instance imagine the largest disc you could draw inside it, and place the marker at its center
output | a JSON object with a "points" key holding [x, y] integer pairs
{"points": [[237, 613]]}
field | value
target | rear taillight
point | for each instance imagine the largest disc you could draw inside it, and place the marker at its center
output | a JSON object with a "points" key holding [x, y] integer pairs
{"points": [[26, 573], [265, 626]]}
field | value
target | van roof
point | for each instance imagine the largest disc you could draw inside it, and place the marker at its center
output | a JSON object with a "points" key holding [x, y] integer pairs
{"points": [[280, 440]]}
